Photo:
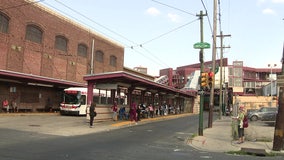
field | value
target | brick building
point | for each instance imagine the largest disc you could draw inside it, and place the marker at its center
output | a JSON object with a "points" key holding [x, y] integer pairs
{"points": [[43, 52]]}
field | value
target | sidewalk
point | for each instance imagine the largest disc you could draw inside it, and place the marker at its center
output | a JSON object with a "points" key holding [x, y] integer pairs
{"points": [[219, 138], [54, 124]]}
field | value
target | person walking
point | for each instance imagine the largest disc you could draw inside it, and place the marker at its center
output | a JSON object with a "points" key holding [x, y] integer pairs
{"points": [[132, 112], [92, 113]]}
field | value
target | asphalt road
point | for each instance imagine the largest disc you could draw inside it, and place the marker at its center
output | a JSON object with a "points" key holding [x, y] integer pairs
{"points": [[163, 140]]}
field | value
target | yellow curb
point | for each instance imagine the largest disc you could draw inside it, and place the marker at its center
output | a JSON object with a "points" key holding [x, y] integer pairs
{"points": [[119, 124]]}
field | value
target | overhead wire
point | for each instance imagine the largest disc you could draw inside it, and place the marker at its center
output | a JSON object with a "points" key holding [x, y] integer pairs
{"points": [[94, 21], [174, 8], [205, 8], [136, 44], [128, 46], [169, 32]]}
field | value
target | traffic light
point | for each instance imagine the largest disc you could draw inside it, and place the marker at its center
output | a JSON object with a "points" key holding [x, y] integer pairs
{"points": [[210, 79], [204, 80]]}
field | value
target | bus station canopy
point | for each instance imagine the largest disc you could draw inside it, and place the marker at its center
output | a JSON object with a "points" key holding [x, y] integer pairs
{"points": [[36, 80], [111, 80]]}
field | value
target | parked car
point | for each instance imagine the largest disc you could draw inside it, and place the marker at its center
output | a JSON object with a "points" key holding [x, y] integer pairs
{"points": [[269, 116], [258, 114], [249, 111]]}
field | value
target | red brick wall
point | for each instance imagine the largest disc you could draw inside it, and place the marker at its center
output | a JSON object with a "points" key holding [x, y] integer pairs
{"points": [[20, 55]]}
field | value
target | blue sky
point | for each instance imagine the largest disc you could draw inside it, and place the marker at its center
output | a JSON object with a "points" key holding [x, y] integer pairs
{"points": [[160, 34]]}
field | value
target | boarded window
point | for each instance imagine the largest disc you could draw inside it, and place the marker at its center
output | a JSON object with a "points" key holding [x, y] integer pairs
{"points": [[4, 23], [61, 43], [34, 33], [99, 56], [113, 61], [82, 50]]}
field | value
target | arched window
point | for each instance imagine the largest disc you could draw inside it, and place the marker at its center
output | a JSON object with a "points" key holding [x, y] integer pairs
{"points": [[34, 33], [82, 50], [61, 43], [4, 23], [112, 61], [99, 56]]}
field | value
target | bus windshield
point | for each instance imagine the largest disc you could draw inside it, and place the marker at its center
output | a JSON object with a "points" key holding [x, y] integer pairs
{"points": [[72, 97]]}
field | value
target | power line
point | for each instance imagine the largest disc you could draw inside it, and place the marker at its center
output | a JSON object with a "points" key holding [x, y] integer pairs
{"points": [[153, 60], [155, 57], [128, 46], [108, 30], [210, 25], [168, 32], [136, 44], [174, 8], [97, 30], [94, 21]]}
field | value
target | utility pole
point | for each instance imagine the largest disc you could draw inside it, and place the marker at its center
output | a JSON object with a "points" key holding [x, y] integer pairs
{"points": [[221, 74], [199, 45], [211, 105], [278, 142]]}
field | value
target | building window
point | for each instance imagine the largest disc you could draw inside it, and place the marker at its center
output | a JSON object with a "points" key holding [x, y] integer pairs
{"points": [[34, 33], [82, 50], [99, 56], [61, 43], [4, 23], [238, 82], [112, 61], [238, 72]]}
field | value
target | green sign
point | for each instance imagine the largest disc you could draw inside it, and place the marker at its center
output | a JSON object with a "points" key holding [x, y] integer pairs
{"points": [[201, 45]]}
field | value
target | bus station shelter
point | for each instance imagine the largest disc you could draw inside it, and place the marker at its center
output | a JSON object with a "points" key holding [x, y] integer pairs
{"points": [[135, 85]]}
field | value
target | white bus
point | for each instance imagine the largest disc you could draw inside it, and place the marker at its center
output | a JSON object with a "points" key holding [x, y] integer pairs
{"points": [[75, 101]]}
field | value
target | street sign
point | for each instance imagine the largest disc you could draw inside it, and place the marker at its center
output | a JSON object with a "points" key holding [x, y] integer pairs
{"points": [[201, 45]]}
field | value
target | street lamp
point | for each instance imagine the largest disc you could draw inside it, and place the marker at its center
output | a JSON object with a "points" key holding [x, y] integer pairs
{"points": [[270, 65]]}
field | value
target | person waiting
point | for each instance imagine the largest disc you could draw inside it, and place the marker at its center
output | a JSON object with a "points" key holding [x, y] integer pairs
{"points": [[5, 105], [122, 114]]}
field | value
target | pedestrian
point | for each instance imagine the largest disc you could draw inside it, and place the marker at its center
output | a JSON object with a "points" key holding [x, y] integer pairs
{"points": [[241, 130], [132, 112], [138, 111], [151, 109], [114, 109], [92, 113], [122, 114], [5, 105], [14, 106]]}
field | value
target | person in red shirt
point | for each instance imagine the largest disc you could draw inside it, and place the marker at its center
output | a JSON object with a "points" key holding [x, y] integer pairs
{"points": [[5, 105]]}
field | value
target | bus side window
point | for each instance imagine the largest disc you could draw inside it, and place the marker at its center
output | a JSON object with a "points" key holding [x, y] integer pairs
{"points": [[83, 99]]}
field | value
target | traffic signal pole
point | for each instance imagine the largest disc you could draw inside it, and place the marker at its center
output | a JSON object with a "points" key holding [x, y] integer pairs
{"points": [[201, 105]]}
